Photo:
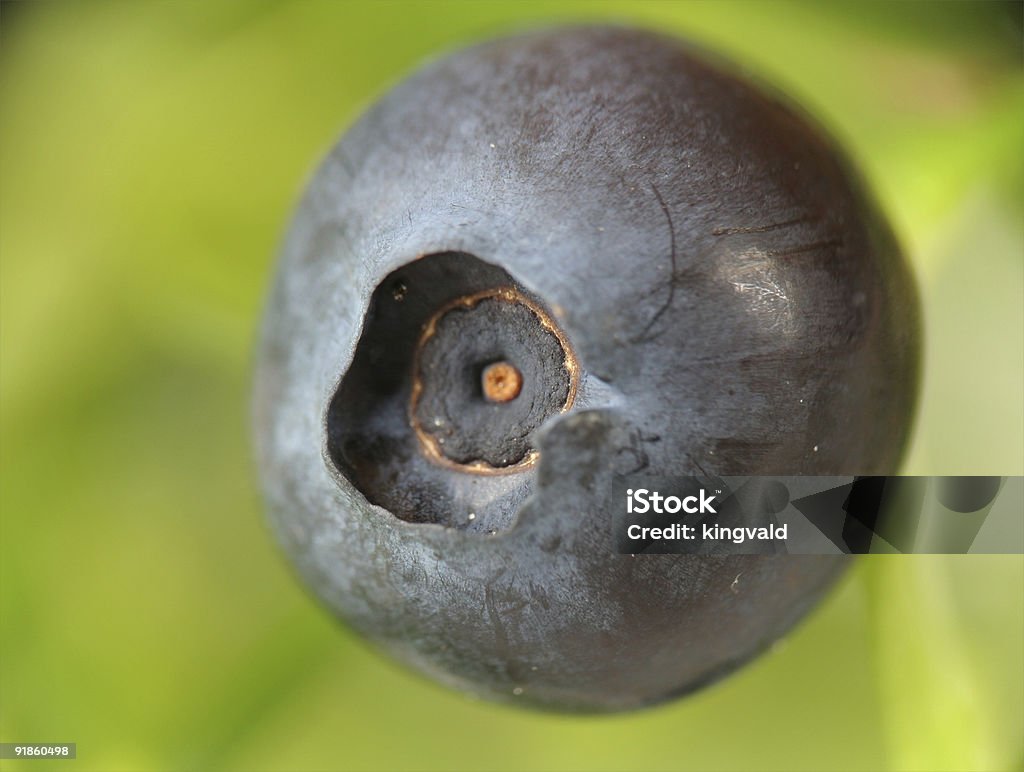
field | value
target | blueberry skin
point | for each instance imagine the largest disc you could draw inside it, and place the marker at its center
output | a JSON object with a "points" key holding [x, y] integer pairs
{"points": [[735, 301]]}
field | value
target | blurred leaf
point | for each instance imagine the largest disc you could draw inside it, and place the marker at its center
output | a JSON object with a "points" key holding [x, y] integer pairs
{"points": [[937, 714]]}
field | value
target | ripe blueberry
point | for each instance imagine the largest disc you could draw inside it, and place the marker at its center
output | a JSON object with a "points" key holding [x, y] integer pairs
{"points": [[538, 263]]}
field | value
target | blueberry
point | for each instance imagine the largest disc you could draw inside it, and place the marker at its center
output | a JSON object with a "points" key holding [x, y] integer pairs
{"points": [[533, 265]]}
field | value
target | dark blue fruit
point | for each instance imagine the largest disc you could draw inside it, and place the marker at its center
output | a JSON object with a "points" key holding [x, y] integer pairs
{"points": [[533, 265]]}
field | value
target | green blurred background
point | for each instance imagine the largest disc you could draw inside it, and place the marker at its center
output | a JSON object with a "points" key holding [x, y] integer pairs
{"points": [[151, 155]]}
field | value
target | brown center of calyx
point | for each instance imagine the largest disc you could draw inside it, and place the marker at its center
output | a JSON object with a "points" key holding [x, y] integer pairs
{"points": [[501, 382]]}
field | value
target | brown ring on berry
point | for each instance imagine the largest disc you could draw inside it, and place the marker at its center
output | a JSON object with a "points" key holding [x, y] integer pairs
{"points": [[498, 384]]}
